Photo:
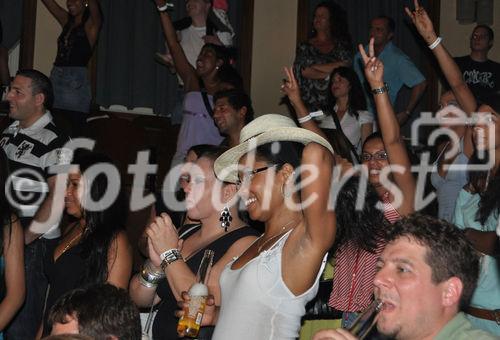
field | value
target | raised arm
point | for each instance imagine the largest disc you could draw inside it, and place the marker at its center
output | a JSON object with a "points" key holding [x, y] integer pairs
{"points": [[182, 65], [292, 90], [389, 126], [93, 24], [448, 66], [13, 253], [319, 218], [57, 11]]}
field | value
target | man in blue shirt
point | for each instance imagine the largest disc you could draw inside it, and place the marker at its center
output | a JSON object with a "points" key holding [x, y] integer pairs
{"points": [[399, 70]]}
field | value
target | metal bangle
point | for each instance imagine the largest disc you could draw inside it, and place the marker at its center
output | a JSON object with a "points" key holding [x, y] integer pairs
{"points": [[149, 275], [380, 90]]}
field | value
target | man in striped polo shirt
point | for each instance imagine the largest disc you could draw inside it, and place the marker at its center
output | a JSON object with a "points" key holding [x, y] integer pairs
{"points": [[34, 147]]}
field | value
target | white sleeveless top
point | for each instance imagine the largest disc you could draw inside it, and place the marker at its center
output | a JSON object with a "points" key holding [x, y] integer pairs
{"points": [[256, 303]]}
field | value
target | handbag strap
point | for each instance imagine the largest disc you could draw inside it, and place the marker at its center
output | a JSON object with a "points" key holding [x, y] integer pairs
{"points": [[208, 107], [354, 153]]}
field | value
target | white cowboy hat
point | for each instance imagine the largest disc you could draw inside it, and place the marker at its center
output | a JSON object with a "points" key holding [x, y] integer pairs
{"points": [[264, 129]]}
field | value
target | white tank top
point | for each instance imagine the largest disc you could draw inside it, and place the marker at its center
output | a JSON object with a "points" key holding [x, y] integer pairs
{"points": [[256, 303]]}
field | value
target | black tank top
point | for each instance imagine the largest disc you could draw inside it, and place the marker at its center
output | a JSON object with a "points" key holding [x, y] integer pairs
{"points": [[165, 324], [73, 49], [63, 275]]}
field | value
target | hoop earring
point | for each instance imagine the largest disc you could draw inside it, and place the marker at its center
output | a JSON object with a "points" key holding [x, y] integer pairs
{"points": [[225, 218], [285, 191]]}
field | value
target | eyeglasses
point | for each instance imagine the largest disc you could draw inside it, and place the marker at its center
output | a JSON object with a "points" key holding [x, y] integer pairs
{"points": [[247, 175], [377, 156], [451, 102]]}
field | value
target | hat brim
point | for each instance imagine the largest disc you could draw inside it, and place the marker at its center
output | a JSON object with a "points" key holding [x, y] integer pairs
{"points": [[226, 165]]}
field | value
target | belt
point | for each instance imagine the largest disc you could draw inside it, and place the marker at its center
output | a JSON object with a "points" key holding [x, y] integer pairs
{"points": [[493, 315]]}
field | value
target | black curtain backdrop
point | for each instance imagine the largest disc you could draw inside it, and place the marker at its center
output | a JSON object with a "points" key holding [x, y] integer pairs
{"points": [[126, 71], [11, 13]]}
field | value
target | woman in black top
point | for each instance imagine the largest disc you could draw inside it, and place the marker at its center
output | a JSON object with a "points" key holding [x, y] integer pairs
{"points": [[80, 23], [162, 236], [94, 247]]}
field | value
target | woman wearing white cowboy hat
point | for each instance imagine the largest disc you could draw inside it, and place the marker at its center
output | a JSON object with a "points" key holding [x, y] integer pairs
{"points": [[264, 291]]}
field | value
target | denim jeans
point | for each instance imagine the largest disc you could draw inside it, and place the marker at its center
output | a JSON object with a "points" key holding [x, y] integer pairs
{"points": [[28, 319], [71, 88]]}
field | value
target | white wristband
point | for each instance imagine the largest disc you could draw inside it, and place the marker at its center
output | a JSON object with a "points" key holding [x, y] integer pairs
{"points": [[318, 113], [435, 43], [304, 119], [164, 7]]}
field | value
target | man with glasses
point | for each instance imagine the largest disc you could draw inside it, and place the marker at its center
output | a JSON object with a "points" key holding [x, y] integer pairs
{"points": [[480, 73]]}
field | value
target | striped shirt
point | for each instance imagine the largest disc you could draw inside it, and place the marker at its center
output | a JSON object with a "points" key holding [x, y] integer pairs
{"points": [[33, 153], [355, 270]]}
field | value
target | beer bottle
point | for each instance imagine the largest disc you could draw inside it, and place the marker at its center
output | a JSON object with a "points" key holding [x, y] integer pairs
{"points": [[189, 324]]}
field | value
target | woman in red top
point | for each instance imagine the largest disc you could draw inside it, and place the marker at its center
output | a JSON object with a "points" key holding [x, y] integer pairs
{"points": [[355, 260]]}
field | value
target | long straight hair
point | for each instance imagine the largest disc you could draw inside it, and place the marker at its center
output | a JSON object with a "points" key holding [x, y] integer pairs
{"points": [[102, 226]]}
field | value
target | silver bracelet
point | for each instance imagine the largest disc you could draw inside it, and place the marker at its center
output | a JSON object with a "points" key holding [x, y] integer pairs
{"points": [[170, 256], [149, 277], [435, 43]]}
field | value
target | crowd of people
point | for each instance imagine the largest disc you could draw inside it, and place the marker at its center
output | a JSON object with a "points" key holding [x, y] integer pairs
{"points": [[276, 198]]}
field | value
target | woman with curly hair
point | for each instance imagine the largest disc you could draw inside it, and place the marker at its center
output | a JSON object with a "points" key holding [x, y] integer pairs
{"points": [[94, 247], [328, 48], [12, 255]]}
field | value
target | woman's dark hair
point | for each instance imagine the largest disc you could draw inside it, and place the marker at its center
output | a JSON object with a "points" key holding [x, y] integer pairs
{"points": [[490, 200], [226, 73], [364, 228], [339, 29], [477, 178], [85, 17], [221, 52], [374, 135], [280, 153], [486, 184], [230, 77], [102, 226], [357, 100]]}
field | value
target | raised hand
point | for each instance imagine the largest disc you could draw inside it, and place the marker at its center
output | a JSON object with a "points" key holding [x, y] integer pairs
{"points": [[153, 255], [291, 88], [422, 22], [374, 68], [162, 234]]}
